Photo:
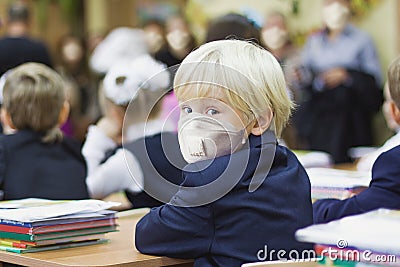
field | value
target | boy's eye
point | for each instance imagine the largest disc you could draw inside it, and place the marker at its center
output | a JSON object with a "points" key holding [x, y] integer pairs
{"points": [[187, 110], [212, 111]]}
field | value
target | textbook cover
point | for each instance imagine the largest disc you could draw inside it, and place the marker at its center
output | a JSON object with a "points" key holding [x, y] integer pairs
{"points": [[25, 244], [53, 247], [56, 235], [339, 184], [91, 223], [99, 215], [32, 225]]}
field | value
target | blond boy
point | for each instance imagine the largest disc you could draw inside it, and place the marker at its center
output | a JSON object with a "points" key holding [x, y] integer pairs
{"points": [[241, 192]]}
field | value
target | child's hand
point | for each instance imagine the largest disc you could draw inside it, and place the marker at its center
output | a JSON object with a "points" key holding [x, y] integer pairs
{"points": [[111, 128]]}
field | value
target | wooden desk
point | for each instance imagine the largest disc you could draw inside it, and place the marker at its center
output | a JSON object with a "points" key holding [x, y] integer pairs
{"points": [[120, 251], [121, 198], [346, 166]]}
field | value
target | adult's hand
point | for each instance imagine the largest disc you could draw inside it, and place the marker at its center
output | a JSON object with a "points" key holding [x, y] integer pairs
{"points": [[334, 77]]}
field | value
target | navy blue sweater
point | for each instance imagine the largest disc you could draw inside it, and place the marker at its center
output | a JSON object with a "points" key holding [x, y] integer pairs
{"points": [[383, 192], [31, 168], [161, 162], [232, 230]]}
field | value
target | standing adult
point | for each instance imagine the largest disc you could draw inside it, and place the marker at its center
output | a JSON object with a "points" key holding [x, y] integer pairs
{"points": [[344, 90], [17, 47]]}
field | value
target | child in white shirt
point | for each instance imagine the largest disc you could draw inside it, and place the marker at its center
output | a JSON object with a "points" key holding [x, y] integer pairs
{"points": [[122, 85]]}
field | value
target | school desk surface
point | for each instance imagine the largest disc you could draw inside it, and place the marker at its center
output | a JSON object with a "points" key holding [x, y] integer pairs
{"points": [[119, 251]]}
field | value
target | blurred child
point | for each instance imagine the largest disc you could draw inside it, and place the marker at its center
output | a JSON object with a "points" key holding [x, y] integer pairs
{"points": [[241, 191], [130, 90], [366, 162], [73, 68], [384, 189], [154, 30], [36, 161], [179, 39], [232, 24], [122, 44]]}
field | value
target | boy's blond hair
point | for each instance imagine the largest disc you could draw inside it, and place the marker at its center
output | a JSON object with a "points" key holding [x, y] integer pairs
{"points": [[252, 76], [394, 81], [34, 96]]}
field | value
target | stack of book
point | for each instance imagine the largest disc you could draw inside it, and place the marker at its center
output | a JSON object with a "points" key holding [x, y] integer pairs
{"points": [[370, 239], [33, 225], [339, 184]]}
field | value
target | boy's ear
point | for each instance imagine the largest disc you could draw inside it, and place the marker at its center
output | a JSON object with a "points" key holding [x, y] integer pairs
{"points": [[262, 123], [64, 113], [8, 125], [395, 112], [6, 119]]}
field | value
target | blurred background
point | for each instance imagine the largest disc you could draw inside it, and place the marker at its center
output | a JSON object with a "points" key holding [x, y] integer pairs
{"points": [[93, 19], [71, 29]]}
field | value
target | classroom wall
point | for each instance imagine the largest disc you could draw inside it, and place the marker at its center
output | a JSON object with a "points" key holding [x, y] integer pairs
{"points": [[383, 25], [96, 19], [50, 29], [381, 22], [104, 15]]}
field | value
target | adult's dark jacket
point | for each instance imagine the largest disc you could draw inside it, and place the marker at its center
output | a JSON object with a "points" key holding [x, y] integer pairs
{"points": [[334, 120]]}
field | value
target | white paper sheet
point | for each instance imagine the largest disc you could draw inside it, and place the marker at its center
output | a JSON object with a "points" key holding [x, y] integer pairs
{"points": [[332, 178], [51, 210]]}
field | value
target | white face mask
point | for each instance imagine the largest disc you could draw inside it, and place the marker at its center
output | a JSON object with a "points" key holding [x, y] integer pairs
{"points": [[274, 37], [178, 39], [154, 40], [335, 16], [72, 52], [202, 137]]}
